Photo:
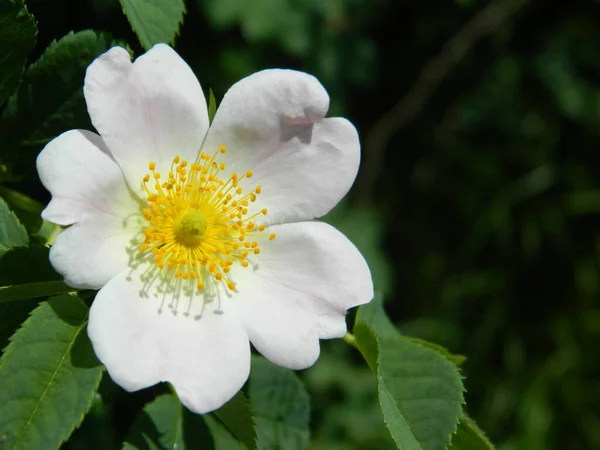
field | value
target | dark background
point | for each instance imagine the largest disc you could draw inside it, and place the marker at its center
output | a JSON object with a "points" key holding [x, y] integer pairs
{"points": [[478, 200]]}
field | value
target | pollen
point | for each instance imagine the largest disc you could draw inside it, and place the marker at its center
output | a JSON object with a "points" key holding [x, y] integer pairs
{"points": [[199, 224]]}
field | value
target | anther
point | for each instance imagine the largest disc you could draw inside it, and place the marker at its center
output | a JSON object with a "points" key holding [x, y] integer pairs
{"points": [[229, 237]]}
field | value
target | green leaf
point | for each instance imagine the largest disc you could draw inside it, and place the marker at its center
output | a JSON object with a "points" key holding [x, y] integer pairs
{"points": [[165, 424], [223, 439], [469, 436], [50, 98], [154, 21], [237, 417], [374, 315], [212, 105], [32, 290], [426, 389], [18, 32], [12, 233], [420, 390], [455, 359], [29, 213], [48, 376], [280, 406], [15, 268]]}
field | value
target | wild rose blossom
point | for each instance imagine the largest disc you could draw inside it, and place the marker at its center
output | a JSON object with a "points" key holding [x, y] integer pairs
{"points": [[201, 239]]}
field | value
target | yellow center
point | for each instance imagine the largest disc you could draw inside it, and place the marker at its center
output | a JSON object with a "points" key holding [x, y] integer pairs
{"points": [[199, 224], [190, 227]]}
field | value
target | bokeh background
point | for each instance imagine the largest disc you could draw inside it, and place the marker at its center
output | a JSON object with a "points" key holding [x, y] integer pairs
{"points": [[477, 204]]}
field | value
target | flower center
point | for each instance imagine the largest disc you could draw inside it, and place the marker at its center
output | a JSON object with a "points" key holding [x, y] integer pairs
{"points": [[190, 227], [199, 224]]}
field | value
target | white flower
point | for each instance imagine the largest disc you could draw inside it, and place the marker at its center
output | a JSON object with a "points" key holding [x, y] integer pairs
{"points": [[197, 254]]}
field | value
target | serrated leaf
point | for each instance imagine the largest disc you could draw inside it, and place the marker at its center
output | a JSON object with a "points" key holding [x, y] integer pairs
{"points": [[164, 424], [12, 233], [374, 315], [154, 21], [280, 406], [455, 359], [29, 213], [237, 417], [50, 98], [426, 388], [212, 105], [32, 290], [18, 32], [222, 438], [420, 390], [469, 436], [48, 376]]}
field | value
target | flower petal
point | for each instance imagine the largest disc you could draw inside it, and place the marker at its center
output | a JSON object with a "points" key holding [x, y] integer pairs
{"points": [[89, 191], [299, 290], [149, 110], [315, 259], [280, 321], [77, 169], [272, 123], [207, 360], [91, 252]]}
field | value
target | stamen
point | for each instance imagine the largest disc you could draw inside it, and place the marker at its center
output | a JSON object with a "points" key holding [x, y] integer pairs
{"points": [[199, 224]]}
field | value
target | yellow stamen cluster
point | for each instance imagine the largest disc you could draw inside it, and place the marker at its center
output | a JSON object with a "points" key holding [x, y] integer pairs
{"points": [[199, 224]]}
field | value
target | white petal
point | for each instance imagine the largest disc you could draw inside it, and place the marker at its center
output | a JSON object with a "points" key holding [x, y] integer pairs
{"points": [[77, 169], [281, 322], [272, 123], [299, 290], [317, 260], [92, 251], [149, 110], [207, 360], [89, 191]]}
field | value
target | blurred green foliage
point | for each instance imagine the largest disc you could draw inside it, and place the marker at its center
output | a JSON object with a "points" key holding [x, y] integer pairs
{"points": [[482, 227]]}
